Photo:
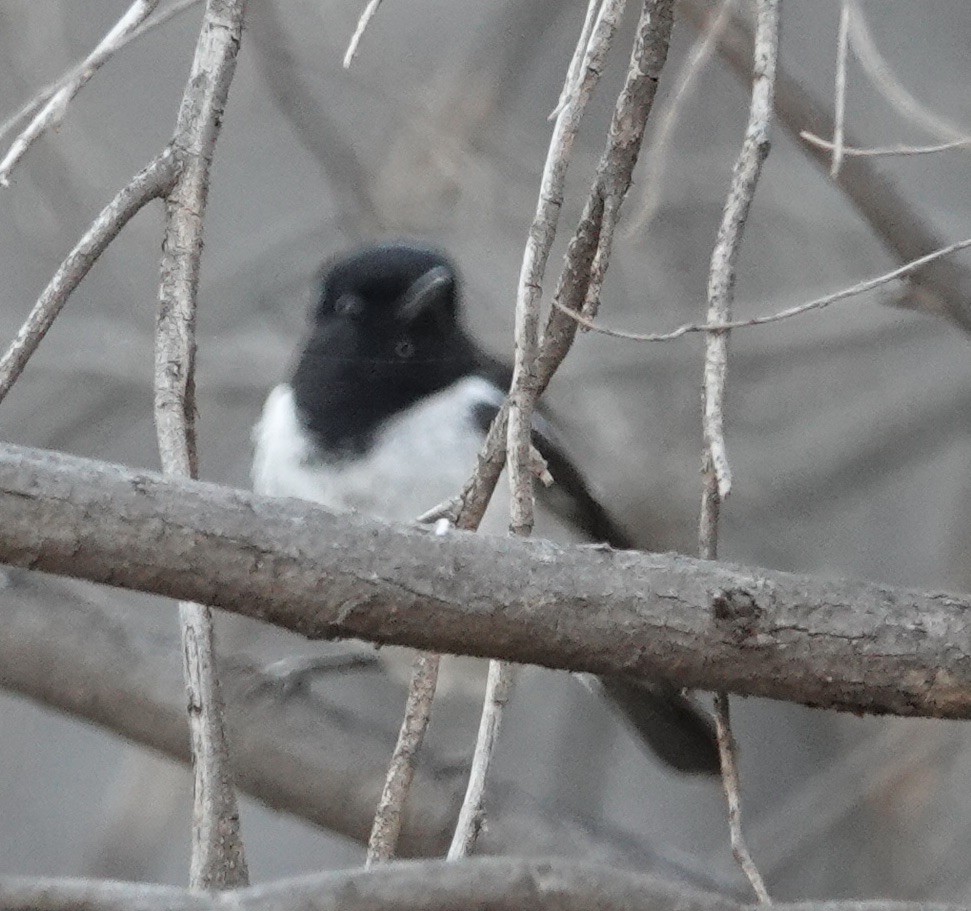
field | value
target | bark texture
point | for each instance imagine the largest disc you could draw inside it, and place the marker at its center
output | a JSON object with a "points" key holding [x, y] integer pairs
{"points": [[837, 644]]}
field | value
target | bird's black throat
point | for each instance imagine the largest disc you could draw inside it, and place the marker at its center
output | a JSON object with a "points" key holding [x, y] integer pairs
{"points": [[343, 399]]}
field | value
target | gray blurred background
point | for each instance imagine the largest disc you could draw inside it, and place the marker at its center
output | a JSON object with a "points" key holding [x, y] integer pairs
{"points": [[849, 429]]}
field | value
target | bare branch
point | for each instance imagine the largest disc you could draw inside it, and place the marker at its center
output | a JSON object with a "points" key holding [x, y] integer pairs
{"points": [[218, 858], [613, 179], [847, 645], [883, 79], [660, 142], [471, 816], [817, 303], [362, 24], [884, 151], [839, 107], [52, 88], [727, 753], [401, 772], [151, 183], [594, 235], [54, 109], [489, 884], [534, 367], [717, 481], [724, 257], [574, 72], [582, 77], [943, 288]]}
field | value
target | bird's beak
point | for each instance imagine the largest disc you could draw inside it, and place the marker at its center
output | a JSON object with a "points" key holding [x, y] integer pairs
{"points": [[425, 292]]}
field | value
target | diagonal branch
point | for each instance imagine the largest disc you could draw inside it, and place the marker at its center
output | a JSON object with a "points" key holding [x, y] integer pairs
{"points": [[52, 88], [153, 182], [833, 644], [54, 108], [389, 816], [583, 74]]}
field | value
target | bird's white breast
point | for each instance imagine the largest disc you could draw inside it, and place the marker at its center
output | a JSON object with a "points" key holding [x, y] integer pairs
{"points": [[417, 459]]}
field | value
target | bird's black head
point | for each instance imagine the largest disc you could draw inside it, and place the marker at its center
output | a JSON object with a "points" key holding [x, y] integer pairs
{"points": [[385, 335]]}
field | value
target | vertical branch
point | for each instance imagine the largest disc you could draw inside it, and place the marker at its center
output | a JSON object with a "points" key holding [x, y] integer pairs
{"points": [[583, 74], [721, 292], [839, 106], [401, 771], [471, 816], [218, 859], [582, 77]]}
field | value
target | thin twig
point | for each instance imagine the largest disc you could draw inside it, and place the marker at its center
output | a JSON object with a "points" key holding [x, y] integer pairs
{"points": [[839, 105], [471, 816], [882, 151], [582, 76], [730, 781], [724, 257], [574, 72], [54, 109], [884, 81], [401, 771], [721, 292], [816, 304], [362, 24], [659, 145], [944, 289], [612, 181], [151, 183], [49, 90], [624, 137], [218, 858]]}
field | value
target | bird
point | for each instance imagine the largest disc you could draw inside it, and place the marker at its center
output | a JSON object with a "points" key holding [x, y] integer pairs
{"points": [[385, 412]]}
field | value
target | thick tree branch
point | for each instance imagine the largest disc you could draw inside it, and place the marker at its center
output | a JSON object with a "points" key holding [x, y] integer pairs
{"points": [[490, 884], [847, 645]]}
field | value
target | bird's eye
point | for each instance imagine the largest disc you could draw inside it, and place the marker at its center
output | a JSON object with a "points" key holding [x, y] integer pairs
{"points": [[404, 347], [348, 305]]}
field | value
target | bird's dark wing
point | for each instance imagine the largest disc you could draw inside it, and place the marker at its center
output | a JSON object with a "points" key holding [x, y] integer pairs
{"points": [[569, 497], [666, 721]]}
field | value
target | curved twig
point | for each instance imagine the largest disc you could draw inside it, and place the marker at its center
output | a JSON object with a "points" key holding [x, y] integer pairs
{"points": [[152, 182]]}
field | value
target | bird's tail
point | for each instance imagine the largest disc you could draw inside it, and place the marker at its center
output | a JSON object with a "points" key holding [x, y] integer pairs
{"points": [[676, 730]]}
